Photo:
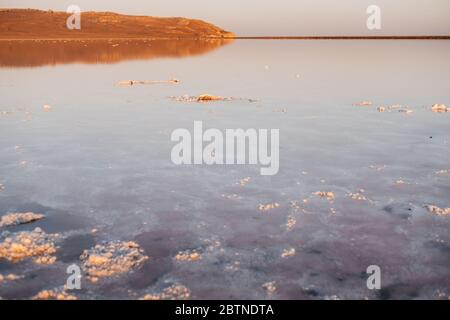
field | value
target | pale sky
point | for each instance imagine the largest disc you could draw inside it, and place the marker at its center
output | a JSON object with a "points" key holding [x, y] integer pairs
{"points": [[279, 17]]}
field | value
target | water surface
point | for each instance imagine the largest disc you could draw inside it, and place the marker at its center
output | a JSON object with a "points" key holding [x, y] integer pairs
{"points": [[100, 158]]}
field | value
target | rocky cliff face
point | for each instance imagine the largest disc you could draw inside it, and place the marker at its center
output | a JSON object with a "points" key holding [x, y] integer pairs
{"points": [[34, 24]]}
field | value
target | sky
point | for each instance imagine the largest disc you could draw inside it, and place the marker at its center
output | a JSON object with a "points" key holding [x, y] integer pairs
{"points": [[279, 17]]}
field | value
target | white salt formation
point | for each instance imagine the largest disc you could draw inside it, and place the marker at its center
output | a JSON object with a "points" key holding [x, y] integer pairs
{"points": [[439, 108], [54, 294], [174, 292], [188, 256], [29, 244], [112, 258], [14, 219], [268, 207], [438, 211], [325, 194]]}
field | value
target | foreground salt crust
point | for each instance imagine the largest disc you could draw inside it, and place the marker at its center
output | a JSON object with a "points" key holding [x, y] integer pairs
{"points": [[438, 211], [9, 277], [29, 244], [325, 194], [359, 195], [111, 258], [270, 287], [54, 294], [288, 253], [268, 207], [14, 219], [188, 256], [174, 292]]}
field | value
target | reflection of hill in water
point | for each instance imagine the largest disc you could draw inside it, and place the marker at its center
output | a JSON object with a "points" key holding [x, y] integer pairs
{"points": [[33, 53]]}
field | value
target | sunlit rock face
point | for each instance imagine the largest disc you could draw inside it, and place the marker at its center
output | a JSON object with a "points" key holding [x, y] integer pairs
{"points": [[37, 24]]}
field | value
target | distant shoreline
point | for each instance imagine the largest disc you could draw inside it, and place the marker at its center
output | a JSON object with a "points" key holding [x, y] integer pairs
{"points": [[232, 38], [346, 38]]}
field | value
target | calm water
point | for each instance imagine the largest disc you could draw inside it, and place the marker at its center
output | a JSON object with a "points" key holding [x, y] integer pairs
{"points": [[101, 159]]}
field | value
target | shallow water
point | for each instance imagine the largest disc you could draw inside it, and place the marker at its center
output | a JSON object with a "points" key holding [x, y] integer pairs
{"points": [[100, 159]]}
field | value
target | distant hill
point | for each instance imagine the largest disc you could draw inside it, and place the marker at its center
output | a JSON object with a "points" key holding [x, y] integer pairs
{"points": [[38, 24]]}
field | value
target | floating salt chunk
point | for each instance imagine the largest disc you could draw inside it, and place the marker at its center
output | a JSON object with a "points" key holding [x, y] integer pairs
{"points": [[291, 222], [295, 205], [268, 207], [232, 196], [10, 277], [6, 113], [407, 111], [377, 167], [2, 187], [208, 97], [440, 108], [442, 172], [332, 297], [23, 163], [188, 256], [54, 294], [233, 267], [381, 109], [363, 104], [270, 287], [47, 108], [244, 181], [325, 194], [29, 244], [281, 110], [358, 195], [174, 292], [186, 98], [134, 82], [13, 219], [287, 253], [112, 258], [438, 211]]}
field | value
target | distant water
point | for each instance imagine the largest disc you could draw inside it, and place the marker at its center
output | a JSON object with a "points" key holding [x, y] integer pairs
{"points": [[100, 158]]}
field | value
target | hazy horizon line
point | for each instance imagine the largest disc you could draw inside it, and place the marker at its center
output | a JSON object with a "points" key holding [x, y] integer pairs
{"points": [[410, 37]]}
